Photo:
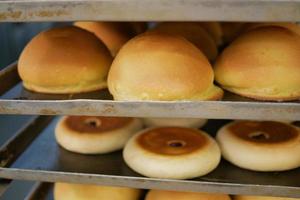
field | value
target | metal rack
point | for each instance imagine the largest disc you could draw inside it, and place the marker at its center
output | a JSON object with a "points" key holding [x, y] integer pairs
{"points": [[27, 160], [17, 100], [150, 10]]}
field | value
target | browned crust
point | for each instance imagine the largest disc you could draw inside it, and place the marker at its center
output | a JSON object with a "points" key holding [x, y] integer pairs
{"points": [[89, 124], [172, 141], [264, 132]]}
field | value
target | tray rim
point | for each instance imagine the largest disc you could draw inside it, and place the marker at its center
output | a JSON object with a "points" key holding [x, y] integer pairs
{"points": [[150, 183]]}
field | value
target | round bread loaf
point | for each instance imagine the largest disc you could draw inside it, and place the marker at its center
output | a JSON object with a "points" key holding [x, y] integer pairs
{"points": [[68, 191], [193, 33], [214, 29], [113, 34], [244, 197], [174, 195], [288, 25], [95, 135], [172, 152], [139, 27], [231, 30], [182, 122], [260, 146], [262, 64], [64, 60], [160, 66]]}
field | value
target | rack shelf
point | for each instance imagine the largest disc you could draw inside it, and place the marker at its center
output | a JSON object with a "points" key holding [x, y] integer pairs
{"points": [[44, 160], [16, 100], [149, 10]]}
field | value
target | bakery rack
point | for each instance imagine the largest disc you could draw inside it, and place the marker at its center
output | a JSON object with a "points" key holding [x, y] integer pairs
{"points": [[32, 153]]}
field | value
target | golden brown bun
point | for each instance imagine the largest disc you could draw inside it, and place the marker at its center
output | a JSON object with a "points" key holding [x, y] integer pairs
{"points": [[113, 34], [231, 30], [172, 152], [262, 64], [64, 60], [254, 145], [244, 197], [214, 29], [182, 122], [95, 135], [68, 191], [288, 25], [193, 33], [174, 195], [139, 27], [159, 66]]}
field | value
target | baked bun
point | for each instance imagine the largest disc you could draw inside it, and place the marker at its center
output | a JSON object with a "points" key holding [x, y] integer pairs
{"points": [[113, 34], [193, 33], [95, 135], [139, 27], [172, 152], [262, 64], [68, 191], [160, 66], [288, 25], [231, 30], [175, 195], [244, 197], [64, 60], [214, 29], [182, 122], [254, 145]]}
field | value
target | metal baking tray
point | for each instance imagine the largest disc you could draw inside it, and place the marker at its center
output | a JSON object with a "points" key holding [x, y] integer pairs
{"points": [[149, 10], [17, 100], [44, 160]]}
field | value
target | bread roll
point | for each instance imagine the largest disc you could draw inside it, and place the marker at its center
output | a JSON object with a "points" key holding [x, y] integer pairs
{"points": [[193, 33], [214, 29], [262, 64], [183, 122], [68, 191], [260, 146], [64, 60], [159, 66], [172, 152], [113, 34], [288, 25], [244, 197], [95, 135], [139, 27], [175, 195], [231, 30]]}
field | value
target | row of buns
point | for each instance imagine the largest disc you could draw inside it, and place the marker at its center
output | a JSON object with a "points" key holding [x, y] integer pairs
{"points": [[67, 191], [175, 152], [169, 62]]}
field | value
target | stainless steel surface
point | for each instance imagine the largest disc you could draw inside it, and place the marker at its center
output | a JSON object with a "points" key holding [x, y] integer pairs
{"points": [[149, 10], [17, 100], [18, 142], [40, 191], [18, 190], [44, 160]]}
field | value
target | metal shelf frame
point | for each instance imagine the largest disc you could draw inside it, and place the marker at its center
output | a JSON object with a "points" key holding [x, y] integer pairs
{"points": [[149, 10], [16, 100], [13, 101]]}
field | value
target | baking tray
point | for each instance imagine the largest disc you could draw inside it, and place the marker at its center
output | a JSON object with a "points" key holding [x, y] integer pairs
{"points": [[17, 100], [149, 10], [44, 160]]}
